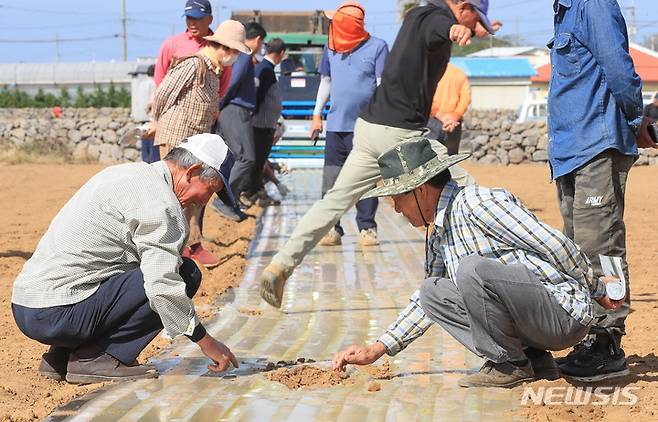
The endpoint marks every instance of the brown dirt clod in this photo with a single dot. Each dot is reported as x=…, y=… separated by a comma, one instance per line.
x=374, y=387
x=307, y=376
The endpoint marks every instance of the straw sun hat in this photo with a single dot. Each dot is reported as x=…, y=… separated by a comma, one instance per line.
x=231, y=34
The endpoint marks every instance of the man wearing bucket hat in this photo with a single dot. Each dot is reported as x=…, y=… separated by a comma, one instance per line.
x=351, y=68
x=398, y=111
x=504, y=284
x=108, y=274
x=187, y=103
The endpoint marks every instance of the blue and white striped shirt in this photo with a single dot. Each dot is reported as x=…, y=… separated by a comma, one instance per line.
x=494, y=224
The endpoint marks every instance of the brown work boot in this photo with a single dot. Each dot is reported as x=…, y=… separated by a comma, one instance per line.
x=272, y=282
x=333, y=238
x=88, y=365
x=501, y=375
x=203, y=257
x=53, y=363
x=543, y=365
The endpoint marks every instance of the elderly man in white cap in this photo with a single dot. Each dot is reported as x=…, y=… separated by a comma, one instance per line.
x=108, y=274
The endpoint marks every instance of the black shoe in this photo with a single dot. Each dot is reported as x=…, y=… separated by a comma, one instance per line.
x=595, y=362
x=543, y=364
x=578, y=349
x=227, y=211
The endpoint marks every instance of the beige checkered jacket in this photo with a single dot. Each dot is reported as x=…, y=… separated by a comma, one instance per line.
x=187, y=101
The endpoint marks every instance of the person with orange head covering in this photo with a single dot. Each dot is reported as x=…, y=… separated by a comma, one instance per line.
x=351, y=68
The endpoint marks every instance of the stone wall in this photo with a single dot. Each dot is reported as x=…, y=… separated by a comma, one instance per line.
x=495, y=138
x=85, y=134
x=92, y=135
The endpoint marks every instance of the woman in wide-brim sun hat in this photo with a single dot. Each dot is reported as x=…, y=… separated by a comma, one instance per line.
x=231, y=34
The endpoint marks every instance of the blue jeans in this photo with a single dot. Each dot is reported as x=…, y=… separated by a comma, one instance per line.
x=150, y=153
x=117, y=317
x=337, y=147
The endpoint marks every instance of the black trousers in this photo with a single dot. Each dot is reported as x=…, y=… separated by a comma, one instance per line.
x=117, y=317
x=263, y=140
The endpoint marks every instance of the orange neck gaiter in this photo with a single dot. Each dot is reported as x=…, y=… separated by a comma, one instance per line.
x=346, y=33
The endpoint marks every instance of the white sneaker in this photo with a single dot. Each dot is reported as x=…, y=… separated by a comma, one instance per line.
x=333, y=238
x=369, y=237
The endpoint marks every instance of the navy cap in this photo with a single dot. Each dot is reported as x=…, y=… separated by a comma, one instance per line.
x=482, y=7
x=197, y=9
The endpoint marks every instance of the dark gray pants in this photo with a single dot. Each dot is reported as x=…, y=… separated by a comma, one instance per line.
x=263, y=140
x=235, y=128
x=449, y=140
x=497, y=310
x=592, y=206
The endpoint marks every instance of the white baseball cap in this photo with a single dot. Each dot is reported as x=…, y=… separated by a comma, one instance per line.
x=213, y=151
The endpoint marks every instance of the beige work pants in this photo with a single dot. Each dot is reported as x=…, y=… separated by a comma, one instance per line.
x=358, y=176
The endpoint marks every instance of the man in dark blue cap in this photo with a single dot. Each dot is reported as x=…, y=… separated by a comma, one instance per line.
x=198, y=17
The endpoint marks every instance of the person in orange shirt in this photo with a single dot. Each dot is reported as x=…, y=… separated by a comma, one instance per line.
x=451, y=100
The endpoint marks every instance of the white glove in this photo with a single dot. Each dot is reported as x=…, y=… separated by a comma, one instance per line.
x=283, y=189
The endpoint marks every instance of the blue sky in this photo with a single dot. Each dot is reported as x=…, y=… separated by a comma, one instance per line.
x=150, y=21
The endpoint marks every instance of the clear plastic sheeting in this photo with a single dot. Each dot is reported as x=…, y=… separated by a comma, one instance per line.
x=339, y=296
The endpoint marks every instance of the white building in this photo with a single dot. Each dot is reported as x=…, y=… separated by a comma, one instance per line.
x=538, y=56
x=497, y=83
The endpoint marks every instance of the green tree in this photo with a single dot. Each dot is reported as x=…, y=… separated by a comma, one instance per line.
x=81, y=99
x=113, y=97
x=124, y=98
x=64, y=97
x=98, y=98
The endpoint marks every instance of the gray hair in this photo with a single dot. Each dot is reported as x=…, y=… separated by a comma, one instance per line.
x=184, y=159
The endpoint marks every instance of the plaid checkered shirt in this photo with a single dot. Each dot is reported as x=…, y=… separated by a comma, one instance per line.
x=494, y=224
x=183, y=106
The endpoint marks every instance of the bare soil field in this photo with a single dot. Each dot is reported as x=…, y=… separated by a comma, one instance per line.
x=33, y=193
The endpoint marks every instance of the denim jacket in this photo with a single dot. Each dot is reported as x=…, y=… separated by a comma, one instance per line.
x=595, y=98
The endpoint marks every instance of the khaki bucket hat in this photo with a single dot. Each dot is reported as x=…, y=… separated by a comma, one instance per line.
x=231, y=34
x=408, y=165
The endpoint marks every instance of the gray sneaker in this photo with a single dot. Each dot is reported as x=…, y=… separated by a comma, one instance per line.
x=500, y=375
x=227, y=212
